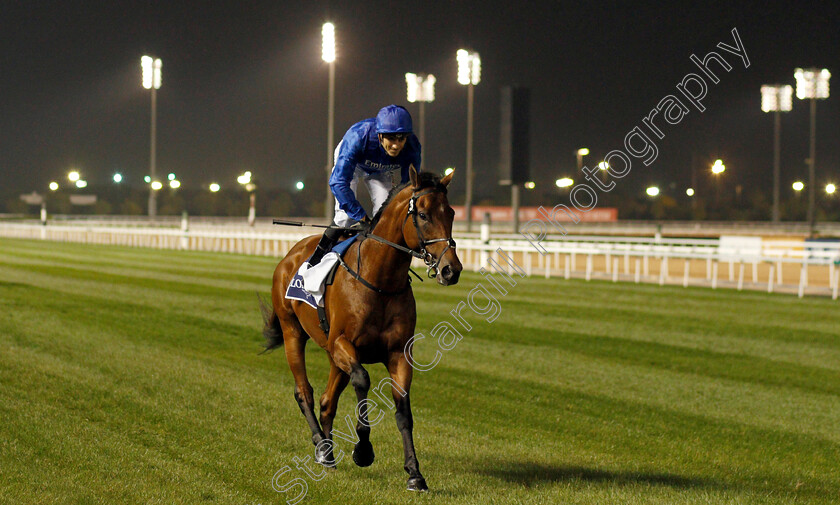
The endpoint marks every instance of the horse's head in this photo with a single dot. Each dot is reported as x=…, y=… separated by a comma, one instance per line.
x=428, y=225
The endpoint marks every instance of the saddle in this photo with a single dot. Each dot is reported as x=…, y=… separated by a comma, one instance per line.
x=309, y=284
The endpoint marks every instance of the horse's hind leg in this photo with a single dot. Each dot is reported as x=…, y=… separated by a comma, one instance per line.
x=344, y=355
x=295, y=347
x=401, y=372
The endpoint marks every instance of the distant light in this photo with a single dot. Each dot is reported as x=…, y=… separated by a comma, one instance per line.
x=718, y=167
x=156, y=185
x=448, y=171
x=776, y=97
x=215, y=187
x=811, y=83
x=81, y=183
x=530, y=185
x=299, y=185
x=565, y=182
x=53, y=186
x=689, y=192
x=830, y=189
x=798, y=186
x=652, y=191
x=73, y=176
x=151, y=72
x=244, y=178
x=420, y=88
x=469, y=67
x=118, y=178
x=328, y=42
x=603, y=165
x=174, y=184
x=171, y=177
x=148, y=179
x=583, y=151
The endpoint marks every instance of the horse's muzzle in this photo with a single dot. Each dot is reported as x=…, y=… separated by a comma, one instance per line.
x=449, y=275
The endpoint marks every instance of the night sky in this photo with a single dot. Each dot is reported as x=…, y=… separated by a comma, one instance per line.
x=244, y=87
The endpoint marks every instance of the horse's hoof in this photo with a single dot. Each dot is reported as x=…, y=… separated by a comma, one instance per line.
x=363, y=454
x=417, y=484
x=325, y=458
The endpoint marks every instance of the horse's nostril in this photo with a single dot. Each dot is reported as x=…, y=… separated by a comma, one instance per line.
x=446, y=272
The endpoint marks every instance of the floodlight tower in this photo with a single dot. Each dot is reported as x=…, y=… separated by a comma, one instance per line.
x=469, y=74
x=328, y=55
x=776, y=98
x=151, y=81
x=421, y=88
x=812, y=83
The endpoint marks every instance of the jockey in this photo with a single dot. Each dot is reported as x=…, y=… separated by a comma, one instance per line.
x=370, y=151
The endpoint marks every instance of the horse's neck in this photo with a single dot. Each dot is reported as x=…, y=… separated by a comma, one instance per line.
x=386, y=266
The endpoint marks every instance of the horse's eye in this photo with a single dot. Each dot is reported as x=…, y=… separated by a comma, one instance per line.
x=422, y=216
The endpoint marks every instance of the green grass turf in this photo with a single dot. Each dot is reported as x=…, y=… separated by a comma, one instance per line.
x=132, y=376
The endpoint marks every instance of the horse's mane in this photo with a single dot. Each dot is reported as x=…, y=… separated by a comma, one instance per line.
x=424, y=179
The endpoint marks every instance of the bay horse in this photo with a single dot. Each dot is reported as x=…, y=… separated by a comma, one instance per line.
x=371, y=313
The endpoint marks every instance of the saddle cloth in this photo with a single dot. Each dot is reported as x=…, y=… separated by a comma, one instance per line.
x=308, y=284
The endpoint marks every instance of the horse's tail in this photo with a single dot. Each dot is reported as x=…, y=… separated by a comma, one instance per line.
x=271, y=331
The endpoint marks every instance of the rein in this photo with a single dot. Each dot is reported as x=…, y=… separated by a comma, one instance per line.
x=427, y=257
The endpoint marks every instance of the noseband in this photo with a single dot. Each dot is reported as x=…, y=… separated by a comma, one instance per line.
x=430, y=261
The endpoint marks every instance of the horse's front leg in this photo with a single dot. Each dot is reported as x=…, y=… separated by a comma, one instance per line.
x=345, y=357
x=401, y=373
x=329, y=404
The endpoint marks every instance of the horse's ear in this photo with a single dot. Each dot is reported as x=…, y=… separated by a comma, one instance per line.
x=446, y=179
x=412, y=174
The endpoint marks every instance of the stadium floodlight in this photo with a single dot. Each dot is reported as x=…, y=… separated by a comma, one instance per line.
x=776, y=98
x=652, y=191
x=830, y=189
x=156, y=185
x=73, y=176
x=81, y=183
x=718, y=167
x=530, y=185
x=328, y=55
x=174, y=184
x=299, y=185
x=118, y=178
x=564, y=182
x=469, y=74
x=53, y=186
x=689, y=191
x=798, y=186
x=328, y=42
x=812, y=83
x=151, y=81
x=421, y=88
x=214, y=187
x=448, y=171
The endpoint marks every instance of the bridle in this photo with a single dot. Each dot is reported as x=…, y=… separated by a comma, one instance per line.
x=426, y=256
x=429, y=260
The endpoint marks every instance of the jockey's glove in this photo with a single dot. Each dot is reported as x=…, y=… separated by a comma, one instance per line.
x=361, y=226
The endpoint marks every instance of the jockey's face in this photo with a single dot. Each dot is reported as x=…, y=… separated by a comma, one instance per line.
x=393, y=143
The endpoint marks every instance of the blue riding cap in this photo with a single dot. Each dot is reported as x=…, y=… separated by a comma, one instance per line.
x=393, y=119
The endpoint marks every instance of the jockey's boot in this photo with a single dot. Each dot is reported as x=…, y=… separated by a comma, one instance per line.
x=328, y=240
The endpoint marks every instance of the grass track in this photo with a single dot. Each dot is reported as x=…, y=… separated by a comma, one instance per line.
x=132, y=376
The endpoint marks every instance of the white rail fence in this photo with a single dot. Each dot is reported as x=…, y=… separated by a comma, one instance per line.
x=790, y=266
